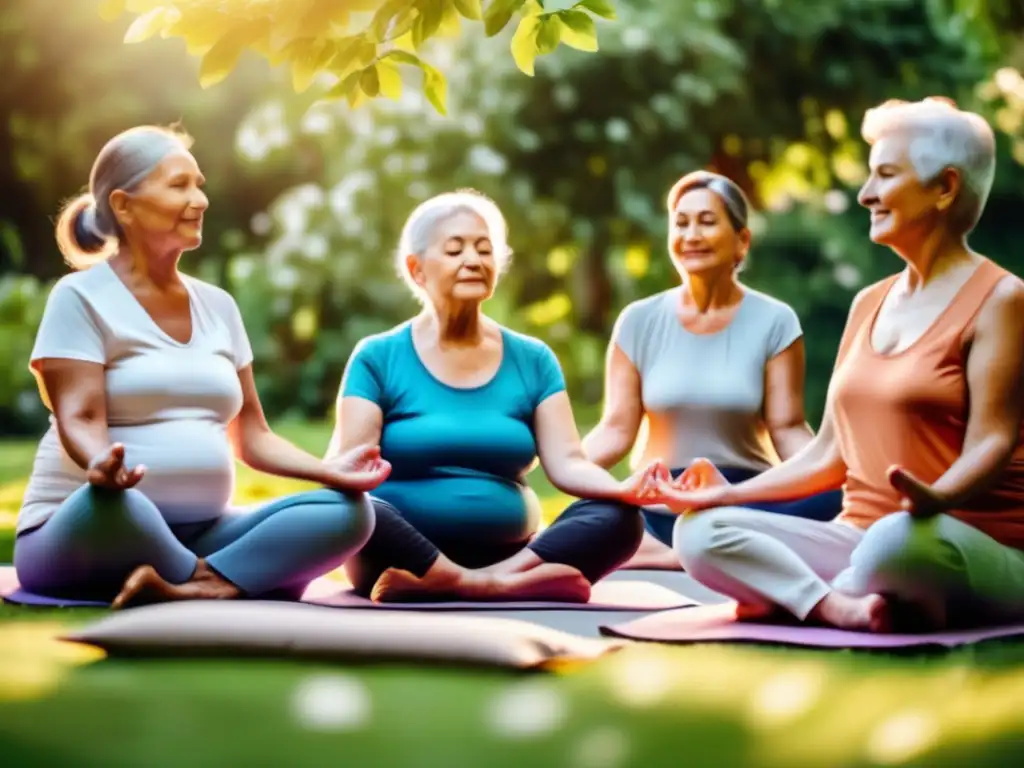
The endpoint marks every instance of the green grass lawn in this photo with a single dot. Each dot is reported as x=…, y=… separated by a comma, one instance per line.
x=647, y=706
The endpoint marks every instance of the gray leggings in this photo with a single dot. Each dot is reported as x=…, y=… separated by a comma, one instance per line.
x=97, y=537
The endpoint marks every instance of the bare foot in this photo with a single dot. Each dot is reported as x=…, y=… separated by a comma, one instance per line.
x=864, y=614
x=545, y=582
x=145, y=585
x=652, y=555
x=754, y=612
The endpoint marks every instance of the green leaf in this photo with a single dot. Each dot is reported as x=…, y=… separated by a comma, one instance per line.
x=353, y=52
x=310, y=61
x=603, y=8
x=404, y=23
x=498, y=14
x=549, y=35
x=380, y=24
x=223, y=55
x=219, y=61
x=342, y=89
x=436, y=89
x=201, y=29
x=451, y=22
x=578, y=30
x=390, y=79
x=431, y=14
x=369, y=82
x=524, y=43
x=142, y=6
x=145, y=26
x=470, y=9
x=110, y=10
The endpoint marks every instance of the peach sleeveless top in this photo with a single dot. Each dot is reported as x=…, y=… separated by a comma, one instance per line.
x=910, y=408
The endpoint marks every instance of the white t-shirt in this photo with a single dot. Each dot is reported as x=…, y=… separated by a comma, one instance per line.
x=169, y=403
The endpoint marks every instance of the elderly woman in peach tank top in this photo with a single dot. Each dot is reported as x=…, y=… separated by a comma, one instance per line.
x=923, y=423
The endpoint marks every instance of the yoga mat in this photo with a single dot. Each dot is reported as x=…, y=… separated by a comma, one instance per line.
x=718, y=624
x=252, y=628
x=607, y=595
x=612, y=594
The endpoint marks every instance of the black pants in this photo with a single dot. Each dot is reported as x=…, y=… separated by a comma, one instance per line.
x=594, y=537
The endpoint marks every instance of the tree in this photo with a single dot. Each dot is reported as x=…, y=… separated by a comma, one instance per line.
x=358, y=45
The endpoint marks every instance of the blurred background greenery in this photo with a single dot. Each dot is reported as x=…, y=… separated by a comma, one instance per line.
x=307, y=202
x=308, y=197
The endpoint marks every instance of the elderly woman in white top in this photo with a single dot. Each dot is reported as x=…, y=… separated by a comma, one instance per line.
x=148, y=374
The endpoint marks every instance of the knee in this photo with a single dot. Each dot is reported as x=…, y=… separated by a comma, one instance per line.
x=901, y=544
x=353, y=512
x=623, y=522
x=699, y=538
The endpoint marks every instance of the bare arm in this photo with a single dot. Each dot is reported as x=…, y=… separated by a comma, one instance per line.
x=358, y=422
x=77, y=393
x=256, y=444
x=561, y=453
x=996, y=386
x=784, y=401
x=613, y=437
x=815, y=468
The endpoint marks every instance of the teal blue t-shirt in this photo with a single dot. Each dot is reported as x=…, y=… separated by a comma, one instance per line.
x=459, y=456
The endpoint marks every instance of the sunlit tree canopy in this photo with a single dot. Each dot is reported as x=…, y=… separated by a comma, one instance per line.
x=361, y=46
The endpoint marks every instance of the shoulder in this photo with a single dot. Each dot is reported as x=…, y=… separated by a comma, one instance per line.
x=381, y=344
x=644, y=309
x=530, y=346
x=86, y=287
x=211, y=294
x=1003, y=311
x=872, y=294
x=766, y=306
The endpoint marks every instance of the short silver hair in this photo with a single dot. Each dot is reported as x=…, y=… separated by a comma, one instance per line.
x=87, y=230
x=421, y=228
x=942, y=136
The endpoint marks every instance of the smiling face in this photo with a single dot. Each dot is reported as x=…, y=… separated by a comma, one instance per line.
x=459, y=263
x=903, y=209
x=166, y=210
x=702, y=238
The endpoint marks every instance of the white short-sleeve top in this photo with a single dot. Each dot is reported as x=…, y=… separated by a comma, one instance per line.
x=168, y=402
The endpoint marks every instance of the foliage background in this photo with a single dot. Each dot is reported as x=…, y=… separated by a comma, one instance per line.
x=308, y=196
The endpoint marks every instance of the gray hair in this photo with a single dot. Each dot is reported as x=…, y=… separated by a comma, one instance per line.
x=421, y=228
x=737, y=206
x=87, y=230
x=942, y=136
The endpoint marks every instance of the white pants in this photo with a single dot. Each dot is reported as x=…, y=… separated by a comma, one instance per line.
x=763, y=559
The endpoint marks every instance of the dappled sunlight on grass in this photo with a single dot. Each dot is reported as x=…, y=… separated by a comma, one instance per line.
x=33, y=660
x=646, y=705
x=841, y=711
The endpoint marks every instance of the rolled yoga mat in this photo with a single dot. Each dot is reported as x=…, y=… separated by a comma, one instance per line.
x=244, y=628
x=624, y=591
x=718, y=624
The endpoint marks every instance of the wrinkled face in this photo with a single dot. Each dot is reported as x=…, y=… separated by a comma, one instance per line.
x=459, y=264
x=903, y=209
x=166, y=210
x=702, y=238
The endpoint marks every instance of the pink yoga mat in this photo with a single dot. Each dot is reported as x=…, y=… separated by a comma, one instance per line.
x=637, y=595
x=718, y=624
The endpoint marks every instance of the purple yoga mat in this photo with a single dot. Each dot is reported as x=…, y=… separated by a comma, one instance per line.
x=619, y=595
x=718, y=624
x=616, y=595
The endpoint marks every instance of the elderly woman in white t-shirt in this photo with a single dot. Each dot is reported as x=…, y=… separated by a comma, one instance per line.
x=148, y=375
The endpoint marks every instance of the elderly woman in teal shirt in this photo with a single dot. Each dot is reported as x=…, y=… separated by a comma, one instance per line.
x=462, y=409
